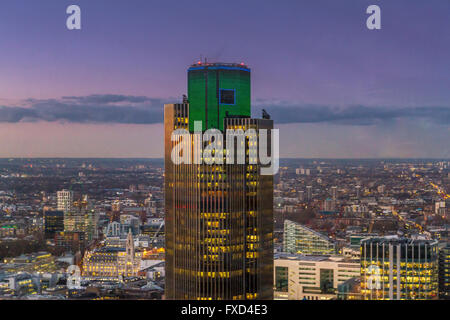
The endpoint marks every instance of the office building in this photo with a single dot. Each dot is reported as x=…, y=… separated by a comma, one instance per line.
x=219, y=219
x=308, y=193
x=53, y=223
x=334, y=193
x=444, y=273
x=112, y=263
x=301, y=239
x=114, y=229
x=301, y=277
x=32, y=263
x=394, y=268
x=82, y=220
x=329, y=206
x=72, y=241
x=350, y=289
x=64, y=200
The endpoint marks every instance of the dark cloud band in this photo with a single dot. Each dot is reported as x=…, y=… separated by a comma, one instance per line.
x=356, y=115
x=125, y=109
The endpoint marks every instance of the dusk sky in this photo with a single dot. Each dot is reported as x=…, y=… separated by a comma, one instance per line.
x=334, y=88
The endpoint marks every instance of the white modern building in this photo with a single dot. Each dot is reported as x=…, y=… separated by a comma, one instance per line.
x=301, y=277
x=64, y=200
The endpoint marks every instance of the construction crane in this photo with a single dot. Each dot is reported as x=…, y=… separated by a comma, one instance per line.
x=157, y=232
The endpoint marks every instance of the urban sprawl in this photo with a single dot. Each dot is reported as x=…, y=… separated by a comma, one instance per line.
x=343, y=229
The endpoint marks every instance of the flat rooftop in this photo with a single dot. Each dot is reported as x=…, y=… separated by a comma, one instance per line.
x=312, y=258
x=397, y=240
x=219, y=65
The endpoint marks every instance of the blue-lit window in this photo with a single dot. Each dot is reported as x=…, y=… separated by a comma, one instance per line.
x=227, y=96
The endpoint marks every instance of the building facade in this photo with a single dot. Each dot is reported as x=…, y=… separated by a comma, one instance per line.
x=302, y=277
x=444, y=273
x=112, y=263
x=82, y=220
x=219, y=219
x=64, y=200
x=72, y=241
x=53, y=223
x=301, y=239
x=394, y=268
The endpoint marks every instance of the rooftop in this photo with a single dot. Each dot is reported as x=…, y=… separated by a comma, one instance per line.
x=312, y=258
x=218, y=65
x=394, y=239
x=321, y=235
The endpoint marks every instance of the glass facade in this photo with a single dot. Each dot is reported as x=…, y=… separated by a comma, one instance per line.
x=215, y=90
x=444, y=273
x=219, y=219
x=312, y=277
x=398, y=269
x=281, y=279
x=301, y=239
x=326, y=280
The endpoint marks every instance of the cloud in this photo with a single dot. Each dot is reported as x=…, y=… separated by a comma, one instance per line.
x=16, y=114
x=110, y=98
x=88, y=109
x=353, y=115
x=125, y=109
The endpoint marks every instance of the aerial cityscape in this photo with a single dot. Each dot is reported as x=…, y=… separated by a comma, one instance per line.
x=288, y=161
x=327, y=215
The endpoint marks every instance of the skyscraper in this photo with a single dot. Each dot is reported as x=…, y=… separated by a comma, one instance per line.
x=219, y=219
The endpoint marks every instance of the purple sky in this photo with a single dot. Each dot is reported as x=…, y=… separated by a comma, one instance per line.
x=335, y=88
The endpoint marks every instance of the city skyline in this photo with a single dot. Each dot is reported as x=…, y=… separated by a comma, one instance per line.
x=214, y=152
x=334, y=88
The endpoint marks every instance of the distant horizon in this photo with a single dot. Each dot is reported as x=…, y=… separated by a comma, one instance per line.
x=161, y=158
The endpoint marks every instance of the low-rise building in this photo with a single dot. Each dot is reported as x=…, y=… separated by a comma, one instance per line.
x=310, y=277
